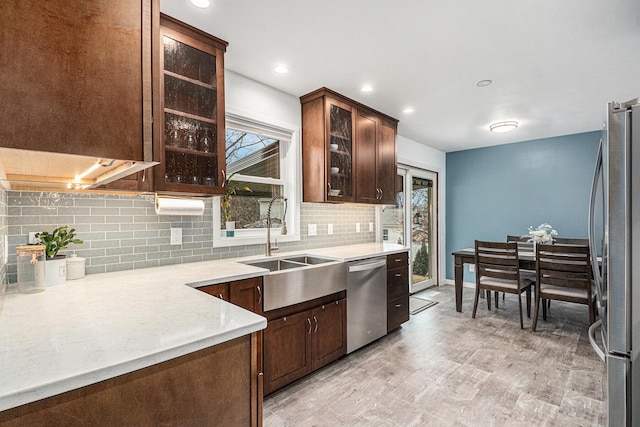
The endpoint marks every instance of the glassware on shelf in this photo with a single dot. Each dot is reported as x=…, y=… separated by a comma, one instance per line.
x=191, y=142
x=173, y=137
x=206, y=143
x=192, y=174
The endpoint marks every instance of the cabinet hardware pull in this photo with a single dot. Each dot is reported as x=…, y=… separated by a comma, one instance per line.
x=316, y=319
x=398, y=259
x=398, y=305
x=337, y=302
x=323, y=307
x=328, y=187
x=398, y=274
x=259, y=294
x=381, y=193
x=284, y=319
x=224, y=178
x=221, y=297
x=309, y=322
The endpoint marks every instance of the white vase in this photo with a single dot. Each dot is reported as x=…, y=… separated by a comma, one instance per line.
x=231, y=227
x=55, y=270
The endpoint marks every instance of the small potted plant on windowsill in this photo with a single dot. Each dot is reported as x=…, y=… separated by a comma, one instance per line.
x=230, y=190
x=56, y=264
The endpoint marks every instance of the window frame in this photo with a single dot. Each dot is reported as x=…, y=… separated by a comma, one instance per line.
x=289, y=178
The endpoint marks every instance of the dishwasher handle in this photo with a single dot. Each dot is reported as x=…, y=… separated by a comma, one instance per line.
x=368, y=266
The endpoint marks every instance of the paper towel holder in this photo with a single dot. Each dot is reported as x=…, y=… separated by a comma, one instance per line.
x=180, y=206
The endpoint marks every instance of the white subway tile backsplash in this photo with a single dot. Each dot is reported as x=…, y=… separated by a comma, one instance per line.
x=122, y=232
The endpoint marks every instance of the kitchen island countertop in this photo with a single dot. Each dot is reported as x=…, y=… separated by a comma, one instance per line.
x=110, y=324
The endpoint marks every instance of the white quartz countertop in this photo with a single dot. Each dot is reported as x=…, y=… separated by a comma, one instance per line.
x=357, y=252
x=105, y=325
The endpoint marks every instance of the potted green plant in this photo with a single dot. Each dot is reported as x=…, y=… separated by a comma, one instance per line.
x=230, y=190
x=56, y=264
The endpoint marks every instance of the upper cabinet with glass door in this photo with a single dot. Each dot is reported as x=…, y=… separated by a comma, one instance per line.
x=348, y=150
x=189, y=125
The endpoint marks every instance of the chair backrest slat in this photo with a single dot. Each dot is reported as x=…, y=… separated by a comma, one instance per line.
x=497, y=260
x=571, y=241
x=564, y=265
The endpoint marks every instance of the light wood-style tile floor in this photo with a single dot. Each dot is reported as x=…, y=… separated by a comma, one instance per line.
x=443, y=368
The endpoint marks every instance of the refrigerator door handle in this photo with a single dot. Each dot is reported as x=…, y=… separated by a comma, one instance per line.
x=592, y=226
x=592, y=339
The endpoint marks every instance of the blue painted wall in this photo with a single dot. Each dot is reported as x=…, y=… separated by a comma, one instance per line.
x=500, y=190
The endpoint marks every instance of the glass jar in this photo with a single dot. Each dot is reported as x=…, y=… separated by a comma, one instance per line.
x=31, y=276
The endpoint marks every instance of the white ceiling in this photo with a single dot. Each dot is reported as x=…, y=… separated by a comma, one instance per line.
x=554, y=63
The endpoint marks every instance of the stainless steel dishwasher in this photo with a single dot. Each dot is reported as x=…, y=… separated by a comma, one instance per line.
x=366, y=302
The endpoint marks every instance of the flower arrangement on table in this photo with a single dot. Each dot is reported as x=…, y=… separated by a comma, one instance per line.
x=544, y=233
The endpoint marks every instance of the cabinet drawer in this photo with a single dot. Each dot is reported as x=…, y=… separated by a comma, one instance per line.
x=397, y=312
x=397, y=260
x=397, y=282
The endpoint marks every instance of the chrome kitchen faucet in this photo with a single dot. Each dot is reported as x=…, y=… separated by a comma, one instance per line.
x=283, y=230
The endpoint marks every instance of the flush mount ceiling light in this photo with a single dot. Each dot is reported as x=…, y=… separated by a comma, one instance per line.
x=366, y=88
x=503, y=127
x=408, y=110
x=484, y=83
x=200, y=3
x=281, y=69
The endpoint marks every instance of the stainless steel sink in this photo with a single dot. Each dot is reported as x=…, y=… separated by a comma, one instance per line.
x=308, y=259
x=275, y=264
x=296, y=279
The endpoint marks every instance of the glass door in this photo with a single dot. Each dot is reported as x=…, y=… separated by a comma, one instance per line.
x=413, y=222
x=424, y=234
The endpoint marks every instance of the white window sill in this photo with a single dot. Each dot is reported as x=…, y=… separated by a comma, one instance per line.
x=241, y=240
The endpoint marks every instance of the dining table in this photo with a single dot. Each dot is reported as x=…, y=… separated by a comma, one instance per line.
x=468, y=256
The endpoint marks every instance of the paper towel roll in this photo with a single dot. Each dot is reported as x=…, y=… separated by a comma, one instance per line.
x=174, y=206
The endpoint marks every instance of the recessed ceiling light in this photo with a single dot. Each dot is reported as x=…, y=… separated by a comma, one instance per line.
x=200, y=3
x=503, y=127
x=366, y=88
x=281, y=69
x=408, y=110
x=483, y=83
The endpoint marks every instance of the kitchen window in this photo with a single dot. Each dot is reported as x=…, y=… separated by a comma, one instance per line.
x=261, y=161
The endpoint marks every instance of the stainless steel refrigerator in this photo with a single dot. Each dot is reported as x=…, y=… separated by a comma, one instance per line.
x=614, y=233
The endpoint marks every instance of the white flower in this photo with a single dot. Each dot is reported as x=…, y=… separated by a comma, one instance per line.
x=542, y=234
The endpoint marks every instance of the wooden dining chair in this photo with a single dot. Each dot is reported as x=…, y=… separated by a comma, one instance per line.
x=498, y=270
x=524, y=245
x=563, y=273
x=571, y=241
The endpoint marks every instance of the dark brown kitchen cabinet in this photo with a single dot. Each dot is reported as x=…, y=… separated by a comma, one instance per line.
x=349, y=150
x=302, y=338
x=329, y=326
x=189, y=129
x=216, y=386
x=247, y=294
x=220, y=290
x=397, y=290
x=287, y=350
x=375, y=159
x=76, y=77
x=386, y=161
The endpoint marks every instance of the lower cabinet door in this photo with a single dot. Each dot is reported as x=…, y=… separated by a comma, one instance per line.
x=287, y=350
x=247, y=294
x=329, y=332
x=397, y=312
x=221, y=290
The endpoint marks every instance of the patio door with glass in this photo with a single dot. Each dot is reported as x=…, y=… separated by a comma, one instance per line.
x=414, y=222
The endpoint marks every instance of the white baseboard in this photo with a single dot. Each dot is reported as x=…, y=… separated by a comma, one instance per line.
x=464, y=284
